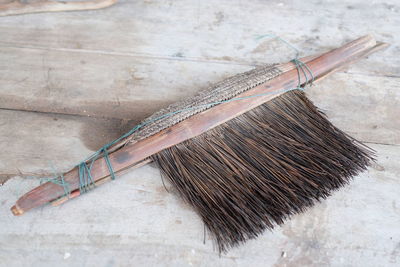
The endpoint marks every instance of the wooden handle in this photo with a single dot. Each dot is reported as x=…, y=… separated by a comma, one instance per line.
x=133, y=154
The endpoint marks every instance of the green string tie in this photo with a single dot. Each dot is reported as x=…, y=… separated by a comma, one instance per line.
x=85, y=178
x=108, y=162
x=301, y=66
x=58, y=179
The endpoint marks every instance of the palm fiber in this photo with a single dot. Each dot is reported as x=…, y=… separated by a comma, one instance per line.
x=256, y=170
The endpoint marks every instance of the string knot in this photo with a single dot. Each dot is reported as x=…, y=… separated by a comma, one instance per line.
x=58, y=180
x=301, y=66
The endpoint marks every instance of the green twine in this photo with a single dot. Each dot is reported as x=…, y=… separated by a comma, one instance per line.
x=84, y=171
x=273, y=36
x=108, y=162
x=85, y=178
x=299, y=64
x=58, y=179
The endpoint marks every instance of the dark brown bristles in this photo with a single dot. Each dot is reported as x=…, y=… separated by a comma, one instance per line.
x=253, y=172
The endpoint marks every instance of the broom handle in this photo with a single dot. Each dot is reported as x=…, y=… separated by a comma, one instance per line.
x=137, y=153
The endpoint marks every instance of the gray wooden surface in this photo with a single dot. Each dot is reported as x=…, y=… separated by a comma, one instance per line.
x=70, y=82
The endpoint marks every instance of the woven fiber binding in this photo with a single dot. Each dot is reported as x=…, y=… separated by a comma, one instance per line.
x=221, y=91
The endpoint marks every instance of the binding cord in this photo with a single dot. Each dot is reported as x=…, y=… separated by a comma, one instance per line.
x=300, y=66
x=85, y=178
x=86, y=181
x=58, y=179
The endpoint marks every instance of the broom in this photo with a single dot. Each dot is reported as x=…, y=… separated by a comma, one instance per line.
x=246, y=154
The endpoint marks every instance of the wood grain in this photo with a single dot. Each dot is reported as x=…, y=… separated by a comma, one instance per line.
x=18, y=7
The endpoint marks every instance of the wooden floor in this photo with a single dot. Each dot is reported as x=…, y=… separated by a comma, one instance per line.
x=70, y=82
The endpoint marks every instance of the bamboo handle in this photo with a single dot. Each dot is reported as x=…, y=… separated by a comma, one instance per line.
x=77, y=193
x=131, y=155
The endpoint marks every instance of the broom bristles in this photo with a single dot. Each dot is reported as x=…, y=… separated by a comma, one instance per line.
x=255, y=171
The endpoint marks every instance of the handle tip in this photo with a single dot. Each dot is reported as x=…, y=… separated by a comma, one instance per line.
x=382, y=45
x=16, y=210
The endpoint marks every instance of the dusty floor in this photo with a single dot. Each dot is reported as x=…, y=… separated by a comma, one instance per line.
x=70, y=82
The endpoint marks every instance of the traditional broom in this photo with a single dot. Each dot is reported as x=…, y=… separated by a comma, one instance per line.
x=246, y=154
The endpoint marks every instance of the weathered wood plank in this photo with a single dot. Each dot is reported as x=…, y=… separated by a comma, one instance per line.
x=36, y=143
x=209, y=30
x=10, y=7
x=366, y=107
x=99, y=85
